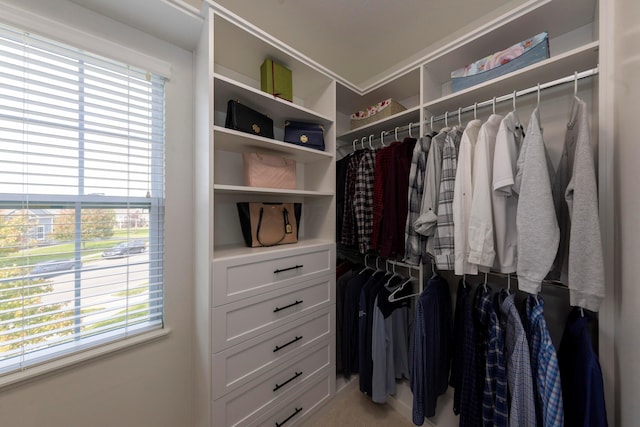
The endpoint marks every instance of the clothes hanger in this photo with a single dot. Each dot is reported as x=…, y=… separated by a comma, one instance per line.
x=508, y=284
x=494, y=105
x=355, y=141
x=382, y=137
x=432, y=124
x=574, y=101
x=400, y=288
x=410, y=124
x=366, y=267
x=370, y=138
x=475, y=111
x=484, y=285
x=459, y=119
x=395, y=274
x=514, y=100
x=364, y=138
x=446, y=119
x=434, y=270
x=396, y=133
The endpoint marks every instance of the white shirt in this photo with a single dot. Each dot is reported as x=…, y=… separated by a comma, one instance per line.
x=481, y=239
x=462, y=196
x=505, y=200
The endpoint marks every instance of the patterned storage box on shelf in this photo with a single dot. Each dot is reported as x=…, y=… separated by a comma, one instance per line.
x=500, y=63
x=376, y=112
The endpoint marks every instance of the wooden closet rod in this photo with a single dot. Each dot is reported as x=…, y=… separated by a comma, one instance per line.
x=452, y=115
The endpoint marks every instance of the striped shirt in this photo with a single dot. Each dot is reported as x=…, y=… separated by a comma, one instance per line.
x=444, y=236
x=522, y=410
x=544, y=363
x=363, y=199
x=415, y=244
x=494, y=403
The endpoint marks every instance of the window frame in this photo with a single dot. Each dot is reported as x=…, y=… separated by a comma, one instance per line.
x=99, y=346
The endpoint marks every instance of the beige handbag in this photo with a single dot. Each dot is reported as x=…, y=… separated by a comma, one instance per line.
x=269, y=224
x=263, y=170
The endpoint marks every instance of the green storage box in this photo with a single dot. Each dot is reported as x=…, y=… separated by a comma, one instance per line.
x=276, y=80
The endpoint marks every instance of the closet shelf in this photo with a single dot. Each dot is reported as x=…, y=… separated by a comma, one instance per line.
x=278, y=109
x=241, y=189
x=578, y=59
x=239, y=142
x=239, y=250
x=400, y=119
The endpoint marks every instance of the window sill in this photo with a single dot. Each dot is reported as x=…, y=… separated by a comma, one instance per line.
x=33, y=372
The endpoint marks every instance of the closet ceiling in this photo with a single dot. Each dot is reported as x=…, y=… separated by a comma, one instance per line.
x=359, y=40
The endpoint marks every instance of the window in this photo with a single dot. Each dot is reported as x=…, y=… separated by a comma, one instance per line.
x=81, y=200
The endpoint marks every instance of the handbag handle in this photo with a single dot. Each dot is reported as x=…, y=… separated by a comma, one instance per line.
x=286, y=224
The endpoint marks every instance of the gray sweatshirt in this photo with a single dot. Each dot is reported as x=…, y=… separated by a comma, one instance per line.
x=538, y=232
x=580, y=231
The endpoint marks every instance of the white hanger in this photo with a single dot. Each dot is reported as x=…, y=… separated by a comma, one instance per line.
x=382, y=138
x=446, y=119
x=514, y=100
x=396, y=133
x=370, y=138
x=494, y=105
x=538, y=105
x=410, y=124
x=475, y=111
x=355, y=141
x=392, y=296
x=573, y=102
x=459, y=120
x=485, y=282
x=366, y=267
x=431, y=123
x=364, y=138
x=395, y=274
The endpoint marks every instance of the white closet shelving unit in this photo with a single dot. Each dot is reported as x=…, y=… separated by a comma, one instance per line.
x=265, y=317
x=424, y=88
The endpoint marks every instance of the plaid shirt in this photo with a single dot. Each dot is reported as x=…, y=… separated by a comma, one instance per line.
x=444, y=236
x=494, y=404
x=349, y=227
x=522, y=409
x=383, y=160
x=363, y=199
x=544, y=364
x=415, y=244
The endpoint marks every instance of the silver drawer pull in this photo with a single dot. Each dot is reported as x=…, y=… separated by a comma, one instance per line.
x=287, y=269
x=297, y=338
x=277, y=309
x=279, y=386
x=288, y=418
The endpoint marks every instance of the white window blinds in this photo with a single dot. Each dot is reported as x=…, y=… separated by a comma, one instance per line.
x=81, y=200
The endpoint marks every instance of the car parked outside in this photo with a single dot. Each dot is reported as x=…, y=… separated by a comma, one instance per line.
x=46, y=269
x=125, y=249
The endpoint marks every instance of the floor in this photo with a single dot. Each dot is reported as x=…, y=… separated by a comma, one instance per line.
x=351, y=408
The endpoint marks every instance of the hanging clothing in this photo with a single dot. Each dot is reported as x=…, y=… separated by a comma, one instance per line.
x=494, y=404
x=363, y=199
x=481, y=236
x=522, y=409
x=444, y=235
x=341, y=180
x=351, y=323
x=537, y=227
x=426, y=222
x=575, y=194
x=462, y=195
x=431, y=355
x=381, y=174
x=349, y=227
x=460, y=328
x=581, y=375
x=390, y=344
x=544, y=364
x=415, y=244
x=505, y=200
x=365, y=324
x=342, y=280
x=396, y=193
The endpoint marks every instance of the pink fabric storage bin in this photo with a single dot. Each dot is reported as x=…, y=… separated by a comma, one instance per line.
x=263, y=170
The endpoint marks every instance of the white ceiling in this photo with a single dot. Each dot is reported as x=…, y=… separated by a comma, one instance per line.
x=359, y=40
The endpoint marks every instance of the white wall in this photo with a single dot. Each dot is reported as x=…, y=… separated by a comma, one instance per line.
x=627, y=160
x=152, y=384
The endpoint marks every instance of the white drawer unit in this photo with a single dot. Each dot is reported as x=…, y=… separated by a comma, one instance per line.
x=240, y=320
x=303, y=403
x=256, y=397
x=235, y=278
x=240, y=364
